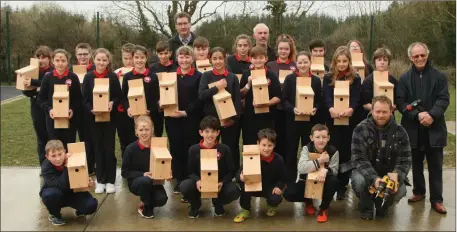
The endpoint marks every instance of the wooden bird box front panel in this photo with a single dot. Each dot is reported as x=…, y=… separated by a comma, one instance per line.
x=137, y=99
x=100, y=95
x=160, y=163
x=78, y=173
x=341, y=101
x=80, y=71
x=283, y=74
x=317, y=66
x=61, y=101
x=124, y=70
x=357, y=62
x=27, y=74
x=252, y=171
x=382, y=86
x=168, y=89
x=203, y=65
x=313, y=188
x=260, y=93
x=304, y=98
x=224, y=105
x=209, y=173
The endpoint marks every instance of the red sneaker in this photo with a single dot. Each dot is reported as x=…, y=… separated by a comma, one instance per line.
x=310, y=210
x=322, y=216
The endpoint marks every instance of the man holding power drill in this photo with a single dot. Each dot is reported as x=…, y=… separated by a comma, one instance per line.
x=425, y=125
x=379, y=146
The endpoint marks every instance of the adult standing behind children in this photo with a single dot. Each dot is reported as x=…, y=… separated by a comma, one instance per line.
x=261, y=36
x=184, y=36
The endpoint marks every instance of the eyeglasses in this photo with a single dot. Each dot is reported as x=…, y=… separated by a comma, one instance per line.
x=420, y=55
x=182, y=24
x=82, y=54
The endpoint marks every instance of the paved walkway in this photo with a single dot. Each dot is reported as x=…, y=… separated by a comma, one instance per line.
x=450, y=127
x=21, y=209
x=9, y=92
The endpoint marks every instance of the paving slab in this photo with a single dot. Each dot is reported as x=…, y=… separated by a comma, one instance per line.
x=7, y=92
x=450, y=125
x=118, y=211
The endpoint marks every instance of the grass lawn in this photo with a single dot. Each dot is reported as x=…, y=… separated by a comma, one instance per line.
x=18, y=142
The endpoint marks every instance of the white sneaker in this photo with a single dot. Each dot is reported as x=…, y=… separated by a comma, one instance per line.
x=100, y=188
x=110, y=188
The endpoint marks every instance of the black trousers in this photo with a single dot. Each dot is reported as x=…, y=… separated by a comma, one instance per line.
x=296, y=192
x=280, y=129
x=151, y=195
x=39, y=124
x=434, y=156
x=341, y=138
x=54, y=200
x=66, y=136
x=229, y=192
x=125, y=130
x=88, y=141
x=229, y=138
x=272, y=199
x=296, y=131
x=157, y=119
x=182, y=134
x=103, y=138
x=252, y=123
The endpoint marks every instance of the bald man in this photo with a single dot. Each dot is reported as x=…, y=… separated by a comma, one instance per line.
x=261, y=36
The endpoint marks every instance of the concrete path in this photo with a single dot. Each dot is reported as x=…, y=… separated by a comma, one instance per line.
x=21, y=209
x=450, y=127
x=8, y=92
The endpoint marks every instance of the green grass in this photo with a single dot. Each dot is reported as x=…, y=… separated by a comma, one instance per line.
x=5, y=83
x=450, y=112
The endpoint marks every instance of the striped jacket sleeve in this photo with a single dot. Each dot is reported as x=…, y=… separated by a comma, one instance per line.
x=404, y=159
x=359, y=157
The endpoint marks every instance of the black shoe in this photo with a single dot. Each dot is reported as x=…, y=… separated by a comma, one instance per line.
x=57, y=221
x=146, y=213
x=193, y=213
x=79, y=214
x=368, y=215
x=176, y=189
x=341, y=194
x=219, y=210
x=184, y=200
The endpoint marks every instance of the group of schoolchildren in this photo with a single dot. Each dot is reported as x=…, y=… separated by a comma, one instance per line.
x=195, y=125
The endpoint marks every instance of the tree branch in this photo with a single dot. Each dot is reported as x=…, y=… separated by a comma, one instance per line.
x=161, y=26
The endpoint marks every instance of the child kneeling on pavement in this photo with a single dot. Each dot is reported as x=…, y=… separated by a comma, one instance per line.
x=56, y=192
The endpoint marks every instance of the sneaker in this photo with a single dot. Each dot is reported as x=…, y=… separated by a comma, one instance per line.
x=193, y=213
x=271, y=211
x=322, y=216
x=99, y=188
x=79, y=214
x=368, y=215
x=176, y=189
x=56, y=221
x=141, y=205
x=310, y=210
x=146, y=213
x=184, y=200
x=219, y=210
x=243, y=215
x=110, y=188
x=341, y=194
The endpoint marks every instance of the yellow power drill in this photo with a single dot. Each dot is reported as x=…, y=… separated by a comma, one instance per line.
x=384, y=190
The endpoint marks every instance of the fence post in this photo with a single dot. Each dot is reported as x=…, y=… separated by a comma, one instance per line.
x=8, y=48
x=98, y=29
x=370, y=50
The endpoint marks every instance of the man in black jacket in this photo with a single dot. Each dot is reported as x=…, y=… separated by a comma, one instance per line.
x=425, y=125
x=379, y=146
x=184, y=36
x=261, y=36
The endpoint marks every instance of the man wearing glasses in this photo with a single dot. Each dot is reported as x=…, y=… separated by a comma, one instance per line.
x=184, y=36
x=425, y=125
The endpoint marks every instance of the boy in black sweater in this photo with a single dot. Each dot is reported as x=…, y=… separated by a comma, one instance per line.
x=56, y=192
x=273, y=177
x=190, y=188
x=61, y=75
x=135, y=168
x=317, y=49
x=165, y=64
x=43, y=53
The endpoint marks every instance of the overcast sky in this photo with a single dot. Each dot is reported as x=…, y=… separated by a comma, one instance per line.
x=332, y=8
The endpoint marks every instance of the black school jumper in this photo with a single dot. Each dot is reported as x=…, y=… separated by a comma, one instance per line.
x=341, y=136
x=228, y=134
x=322, y=114
x=226, y=171
x=253, y=122
x=297, y=130
x=151, y=92
x=158, y=67
x=56, y=192
x=38, y=114
x=183, y=132
x=280, y=118
x=45, y=100
x=124, y=124
x=103, y=134
x=273, y=176
x=134, y=165
x=84, y=129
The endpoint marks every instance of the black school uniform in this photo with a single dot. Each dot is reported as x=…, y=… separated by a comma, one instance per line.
x=38, y=114
x=280, y=118
x=297, y=130
x=134, y=165
x=152, y=94
x=103, y=134
x=56, y=192
x=341, y=136
x=253, y=122
x=158, y=67
x=226, y=171
x=368, y=92
x=228, y=134
x=273, y=176
x=236, y=65
x=322, y=114
x=45, y=100
x=124, y=124
x=183, y=132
